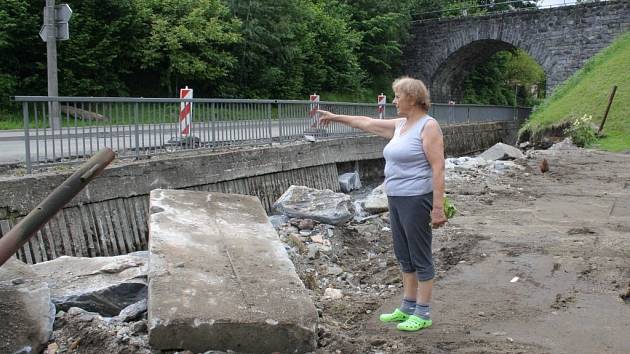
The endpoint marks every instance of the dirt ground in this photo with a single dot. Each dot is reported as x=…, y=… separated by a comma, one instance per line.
x=532, y=263
x=565, y=234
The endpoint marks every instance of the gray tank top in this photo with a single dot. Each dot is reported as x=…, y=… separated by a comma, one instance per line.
x=407, y=171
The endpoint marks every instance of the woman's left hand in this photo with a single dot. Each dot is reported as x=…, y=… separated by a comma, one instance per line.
x=438, y=218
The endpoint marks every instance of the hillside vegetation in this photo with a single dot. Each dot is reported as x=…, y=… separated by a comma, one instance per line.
x=587, y=92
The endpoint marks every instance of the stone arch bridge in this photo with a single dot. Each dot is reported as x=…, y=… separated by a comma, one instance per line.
x=443, y=52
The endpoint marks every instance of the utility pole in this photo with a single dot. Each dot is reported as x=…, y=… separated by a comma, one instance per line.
x=51, y=63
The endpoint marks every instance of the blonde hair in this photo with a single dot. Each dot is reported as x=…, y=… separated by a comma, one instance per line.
x=415, y=89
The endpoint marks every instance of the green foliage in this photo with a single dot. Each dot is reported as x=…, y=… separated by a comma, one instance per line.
x=449, y=208
x=102, y=50
x=384, y=29
x=587, y=92
x=341, y=49
x=21, y=65
x=504, y=78
x=293, y=48
x=189, y=41
x=581, y=131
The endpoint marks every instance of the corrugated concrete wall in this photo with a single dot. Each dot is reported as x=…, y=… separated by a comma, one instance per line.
x=109, y=216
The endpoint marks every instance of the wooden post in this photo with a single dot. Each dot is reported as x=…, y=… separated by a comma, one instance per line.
x=610, y=99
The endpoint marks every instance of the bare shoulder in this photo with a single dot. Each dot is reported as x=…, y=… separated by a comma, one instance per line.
x=432, y=128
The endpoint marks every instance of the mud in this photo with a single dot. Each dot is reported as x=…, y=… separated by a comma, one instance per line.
x=564, y=235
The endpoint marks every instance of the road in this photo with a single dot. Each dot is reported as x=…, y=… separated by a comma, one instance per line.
x=151, y=138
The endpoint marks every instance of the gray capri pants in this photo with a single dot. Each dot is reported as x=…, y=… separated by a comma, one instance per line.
x=410, y=218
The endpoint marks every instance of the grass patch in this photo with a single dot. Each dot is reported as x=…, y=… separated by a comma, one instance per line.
x=587, y=92
x=10, y=121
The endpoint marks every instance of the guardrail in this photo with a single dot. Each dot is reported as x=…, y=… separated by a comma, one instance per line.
x=144, y=127
x=485, y=9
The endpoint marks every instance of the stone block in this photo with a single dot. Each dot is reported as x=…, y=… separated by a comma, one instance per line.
x=26, y=311
x=220, y=279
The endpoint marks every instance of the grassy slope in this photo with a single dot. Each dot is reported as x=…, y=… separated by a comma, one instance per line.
x=587, y=91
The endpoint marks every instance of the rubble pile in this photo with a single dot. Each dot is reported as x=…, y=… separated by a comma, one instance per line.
x=339, y=243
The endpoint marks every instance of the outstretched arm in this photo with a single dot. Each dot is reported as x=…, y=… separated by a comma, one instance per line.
x=380, y=127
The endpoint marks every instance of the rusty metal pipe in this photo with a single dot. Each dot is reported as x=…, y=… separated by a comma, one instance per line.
x=55, y=201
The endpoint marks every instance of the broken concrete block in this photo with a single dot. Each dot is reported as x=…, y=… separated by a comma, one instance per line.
x=26, y=311
x=324, y=206
x=349, y=181
x=220, y=278
x=104, y=285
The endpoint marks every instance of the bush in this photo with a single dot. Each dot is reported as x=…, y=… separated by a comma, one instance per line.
x=581, y=131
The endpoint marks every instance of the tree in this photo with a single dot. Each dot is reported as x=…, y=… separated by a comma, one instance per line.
x=22, y=65
x=189, y=41
x=101, y=55
x=292, y=48
x=384, y=27
x=495, y=81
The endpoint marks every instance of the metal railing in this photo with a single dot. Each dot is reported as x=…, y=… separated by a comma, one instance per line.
x=143, y=127
x=485, y=9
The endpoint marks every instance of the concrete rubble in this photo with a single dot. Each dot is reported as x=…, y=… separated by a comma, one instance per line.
x=349, y=181
x=220, y=279
x=104, y=285
x=349, y=272
x=502, y=151
x=324, y=206
x=26, y=310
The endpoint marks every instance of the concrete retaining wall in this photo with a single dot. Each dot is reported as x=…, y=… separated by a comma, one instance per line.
x=109, y=217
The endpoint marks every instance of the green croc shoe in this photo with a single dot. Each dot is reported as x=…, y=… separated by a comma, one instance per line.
x=396, y=316
x=414, y=323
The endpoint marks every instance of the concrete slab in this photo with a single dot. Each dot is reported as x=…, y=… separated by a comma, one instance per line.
x=220, y=279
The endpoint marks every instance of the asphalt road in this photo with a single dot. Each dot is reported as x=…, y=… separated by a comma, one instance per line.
x=46, y=146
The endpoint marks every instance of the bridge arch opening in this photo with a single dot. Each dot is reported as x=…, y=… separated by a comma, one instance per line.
x=489, y=72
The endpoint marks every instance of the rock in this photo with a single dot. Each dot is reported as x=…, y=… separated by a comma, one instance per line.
x=324, y=206
x=53, y=348
x=466, y=163
x=26, y=310
x=313, y=251
x=333, y=294
x=502, y=151
x=334, y=270
x=566, y=144
x=376, y=202
x=295, y=241
x=89, y=332
x=317, y=239
x=104, y=285
x=349, y=181
x=133, y=312
x=278, y=220
x=306, y=224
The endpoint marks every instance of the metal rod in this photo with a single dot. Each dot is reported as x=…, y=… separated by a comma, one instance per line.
x=610, y=100
x=55, y=201
x=27, y=136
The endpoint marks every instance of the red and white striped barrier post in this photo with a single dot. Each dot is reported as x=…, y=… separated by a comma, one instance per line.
x=381, y=101
x=185, y=111
x=313, y=107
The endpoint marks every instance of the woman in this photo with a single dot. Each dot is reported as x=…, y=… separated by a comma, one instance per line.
x=414, y=183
